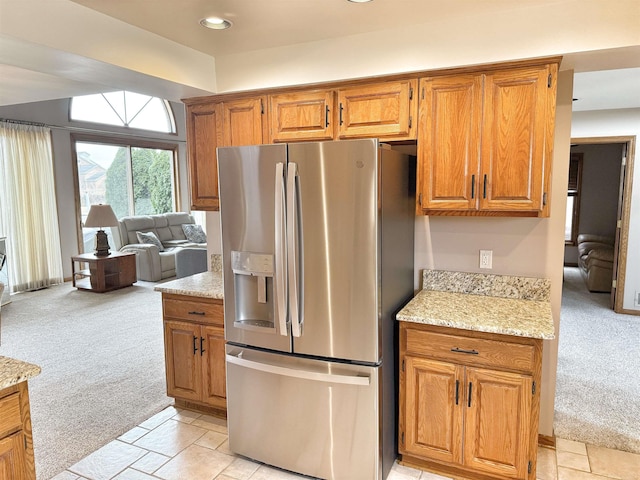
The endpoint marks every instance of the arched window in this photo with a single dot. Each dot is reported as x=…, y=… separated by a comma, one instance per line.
x=124, y=109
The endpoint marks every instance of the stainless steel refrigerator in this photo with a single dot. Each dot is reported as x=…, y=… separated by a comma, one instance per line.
x=317, y=242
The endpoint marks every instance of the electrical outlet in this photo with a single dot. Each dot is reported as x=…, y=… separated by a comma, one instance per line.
x=486, y=258
x=636, y=299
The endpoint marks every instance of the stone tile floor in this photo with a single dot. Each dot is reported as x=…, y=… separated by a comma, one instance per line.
x=179, y=444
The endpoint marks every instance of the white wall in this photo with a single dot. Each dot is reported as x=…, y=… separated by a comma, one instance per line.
x=73, y=42
x=544, y=29
x=56, y=113
x=612, y=123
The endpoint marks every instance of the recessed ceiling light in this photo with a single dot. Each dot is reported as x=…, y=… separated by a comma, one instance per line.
x=215, y=23
x=360, y=1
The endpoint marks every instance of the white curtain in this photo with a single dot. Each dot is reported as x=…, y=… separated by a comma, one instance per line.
x=28, y=210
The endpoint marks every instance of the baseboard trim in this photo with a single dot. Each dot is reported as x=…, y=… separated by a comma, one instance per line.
x=198, y=407
x=547, y=441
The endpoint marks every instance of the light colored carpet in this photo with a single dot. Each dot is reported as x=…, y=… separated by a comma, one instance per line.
x=102, y=359
x=598, y=389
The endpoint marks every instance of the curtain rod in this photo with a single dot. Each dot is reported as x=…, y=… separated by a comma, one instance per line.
x=22, y=122
x=90, y=130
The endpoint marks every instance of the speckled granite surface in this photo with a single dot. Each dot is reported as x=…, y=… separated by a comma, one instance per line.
x=485, y=303
x=205, y=284
x=216, y=262
x=14, y=371
x=506, y=286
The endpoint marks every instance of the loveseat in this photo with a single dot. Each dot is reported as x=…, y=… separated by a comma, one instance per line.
x=156, y=239
x=595, y=259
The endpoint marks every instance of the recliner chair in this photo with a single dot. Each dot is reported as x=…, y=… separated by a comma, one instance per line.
x=595, y=259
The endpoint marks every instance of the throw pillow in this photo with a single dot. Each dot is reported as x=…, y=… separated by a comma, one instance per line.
x=150, y=238
x=194, y=233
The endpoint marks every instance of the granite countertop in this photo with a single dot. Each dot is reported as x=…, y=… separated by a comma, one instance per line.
x=501, y=304
x=205, y=284
x=14, y=371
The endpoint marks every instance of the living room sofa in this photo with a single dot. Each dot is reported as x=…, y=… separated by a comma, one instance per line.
x=595, y=259
x=156, y=262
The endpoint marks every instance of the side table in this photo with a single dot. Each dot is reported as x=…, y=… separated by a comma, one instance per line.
x=117, y=270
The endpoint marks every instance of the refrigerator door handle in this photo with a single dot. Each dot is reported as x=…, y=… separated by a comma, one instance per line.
x=281, y=253
x=295, y=373
x=292, y=253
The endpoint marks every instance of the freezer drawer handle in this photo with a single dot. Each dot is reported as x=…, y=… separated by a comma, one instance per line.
x=303, y=374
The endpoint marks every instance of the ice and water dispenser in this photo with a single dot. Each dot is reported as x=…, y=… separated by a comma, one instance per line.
x=253, y=284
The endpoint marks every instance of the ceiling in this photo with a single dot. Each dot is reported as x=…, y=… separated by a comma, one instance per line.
x=606, y=89
x=260, y=24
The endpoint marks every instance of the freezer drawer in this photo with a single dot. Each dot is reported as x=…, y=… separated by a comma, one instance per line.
x=309, y=416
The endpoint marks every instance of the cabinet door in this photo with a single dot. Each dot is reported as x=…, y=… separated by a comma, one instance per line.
x=183, y=360
x=385, y=110
x=243, y=122
x=432, y=409
x=301, y=116
x=497, y=422
x=204, y=135
x=513, y=139
x=213, y=367
x=449, y=142
x=12, y=457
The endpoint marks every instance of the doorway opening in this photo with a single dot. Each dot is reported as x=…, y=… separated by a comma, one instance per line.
x=593, y=401
x=598, y=213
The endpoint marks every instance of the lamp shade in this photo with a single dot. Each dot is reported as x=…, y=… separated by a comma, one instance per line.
x=101, y=216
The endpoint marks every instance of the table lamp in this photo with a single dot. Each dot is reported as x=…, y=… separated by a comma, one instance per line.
x=101, y=216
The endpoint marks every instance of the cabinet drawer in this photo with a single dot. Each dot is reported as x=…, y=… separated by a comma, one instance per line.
x=473, y=351
x=195, y=311
x=10, y=419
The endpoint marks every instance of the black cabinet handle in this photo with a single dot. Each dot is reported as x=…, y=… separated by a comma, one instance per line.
x=195, y=347
x=473, y=186
x=202, y=350
x=468, y=352
x=484, y=188
x=457, y=390
x=470, y=387
x=196, y=313
x=326, y=117
x=341, y=114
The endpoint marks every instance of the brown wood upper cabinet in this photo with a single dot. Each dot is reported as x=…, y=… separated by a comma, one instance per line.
x=213, y=124
x=386, y=110
x=485, y=142
x=301, y=116
x=244, y=122
x=204, y=135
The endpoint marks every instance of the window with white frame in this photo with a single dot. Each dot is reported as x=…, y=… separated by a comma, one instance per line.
x=133, y=178
x=124, y=109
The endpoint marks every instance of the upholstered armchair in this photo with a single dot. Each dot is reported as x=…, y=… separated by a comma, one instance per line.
x=595, y=259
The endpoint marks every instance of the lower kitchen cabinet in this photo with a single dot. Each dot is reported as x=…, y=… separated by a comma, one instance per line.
x=468, y=402
x=16, y=441
x=194, y=352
